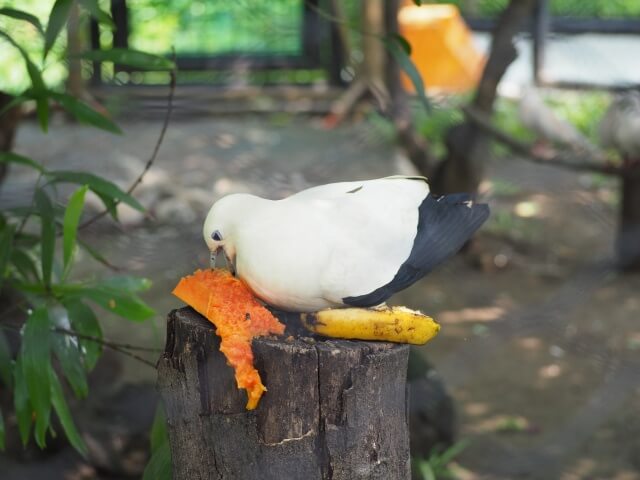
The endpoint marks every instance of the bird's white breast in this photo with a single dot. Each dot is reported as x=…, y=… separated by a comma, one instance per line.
x=309, y=251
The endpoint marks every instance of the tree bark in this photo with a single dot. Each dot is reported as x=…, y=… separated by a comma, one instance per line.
x=467, y=145
x=75, y=84
x=413, y=144
x=370, y=73
x=373, y=50
x=334, y=409
x=8, y=126
x=628, y=243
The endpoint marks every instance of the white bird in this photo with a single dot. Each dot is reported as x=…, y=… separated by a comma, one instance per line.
x=620, y=126
x=536, y=115
x=341, y=244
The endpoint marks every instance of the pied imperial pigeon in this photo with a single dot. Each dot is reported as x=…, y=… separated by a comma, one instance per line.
x=349, y=244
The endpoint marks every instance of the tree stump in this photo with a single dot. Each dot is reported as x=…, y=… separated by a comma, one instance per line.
x=334, y=409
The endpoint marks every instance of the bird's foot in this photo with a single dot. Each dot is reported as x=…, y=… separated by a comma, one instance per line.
x=383, y=306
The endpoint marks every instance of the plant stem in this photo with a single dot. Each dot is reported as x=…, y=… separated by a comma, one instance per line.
x=154, y=154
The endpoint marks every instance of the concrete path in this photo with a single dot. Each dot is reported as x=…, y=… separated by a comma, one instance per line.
x=609, y=60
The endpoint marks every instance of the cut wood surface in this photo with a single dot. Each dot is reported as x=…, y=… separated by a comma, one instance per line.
x=334, y=409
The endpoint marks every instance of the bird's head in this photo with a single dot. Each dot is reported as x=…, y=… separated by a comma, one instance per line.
x=219, y=229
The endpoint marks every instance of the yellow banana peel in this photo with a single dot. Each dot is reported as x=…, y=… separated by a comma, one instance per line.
x=389, y=324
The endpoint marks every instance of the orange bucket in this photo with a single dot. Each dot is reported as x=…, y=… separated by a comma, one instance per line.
x=442, y=48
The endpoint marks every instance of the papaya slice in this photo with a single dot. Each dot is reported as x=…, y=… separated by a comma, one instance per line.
x=238, y=317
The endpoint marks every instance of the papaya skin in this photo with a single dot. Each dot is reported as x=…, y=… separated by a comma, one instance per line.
x=238, y=317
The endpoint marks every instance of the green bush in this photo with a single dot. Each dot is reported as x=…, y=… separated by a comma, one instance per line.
x=62, y=339
x=567, y=8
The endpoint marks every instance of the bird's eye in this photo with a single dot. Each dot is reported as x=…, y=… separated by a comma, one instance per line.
x=217, y=236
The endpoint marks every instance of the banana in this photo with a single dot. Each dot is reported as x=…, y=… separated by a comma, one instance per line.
x=390, y=324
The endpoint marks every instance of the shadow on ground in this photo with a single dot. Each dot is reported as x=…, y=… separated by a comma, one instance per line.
x=540, y=340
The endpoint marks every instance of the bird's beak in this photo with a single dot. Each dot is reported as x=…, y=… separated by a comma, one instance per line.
x=230, y=263
x=214, y=255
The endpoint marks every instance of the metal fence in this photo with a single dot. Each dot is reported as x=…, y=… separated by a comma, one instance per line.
x=259, y=42
x=562, y=17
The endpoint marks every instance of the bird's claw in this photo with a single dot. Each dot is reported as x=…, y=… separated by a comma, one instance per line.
x=383, y=306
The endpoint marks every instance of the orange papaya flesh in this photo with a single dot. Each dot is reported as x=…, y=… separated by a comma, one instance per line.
x=238, y=317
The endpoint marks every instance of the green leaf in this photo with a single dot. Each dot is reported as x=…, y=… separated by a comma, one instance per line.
x=20, y=15
x=97, y=184
x=403, y=42
x=453, y=451
x=159, y=466
x=33, y=71
x=36, y=361
x=406, y=64
x=93, y=7
x=68, y=354
x=84, y=113
x=48, y=233
x=10, y=157
x=2, y=444
x=16, y=101
x=42, y=111
x=24, y=411
x=6, y=363
x=115, y=299
x=126, y=283
x=159, y=433
x=38, y=93
x=27, y=240
x=84, y=321
x=110, y=205
x=417, y=2
x=64, y=415
x=71, y=220
x=36, y=289
x=24, y=265
x=57, y=20
x=127, y=306
x=96, y=255
x=426, y=471
x=6, y=246
x=131, y=58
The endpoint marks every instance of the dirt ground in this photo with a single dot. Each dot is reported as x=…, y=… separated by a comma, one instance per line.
x=540, y=343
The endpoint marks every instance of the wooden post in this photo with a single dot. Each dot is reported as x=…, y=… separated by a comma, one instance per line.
x=334, y=410
x=540, y=33
x=467, y=145
x=628, y=241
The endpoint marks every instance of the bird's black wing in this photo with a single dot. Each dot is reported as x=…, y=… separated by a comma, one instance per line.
x=445, y=224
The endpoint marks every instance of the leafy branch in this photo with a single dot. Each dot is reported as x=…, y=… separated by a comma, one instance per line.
x=583, y=161
x=396, y=45
x=154, y=154
x=123, y=348
x=39, y=244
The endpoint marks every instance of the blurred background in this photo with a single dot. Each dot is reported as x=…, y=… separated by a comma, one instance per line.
x=533, y=105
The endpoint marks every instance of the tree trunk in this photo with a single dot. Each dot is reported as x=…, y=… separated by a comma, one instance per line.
x=413, y=144
x=373, y=50
x=75, y=84
x=628, y=244
x=334, y=409
x=370, y=73
x=467, y=145
x=8, y=126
